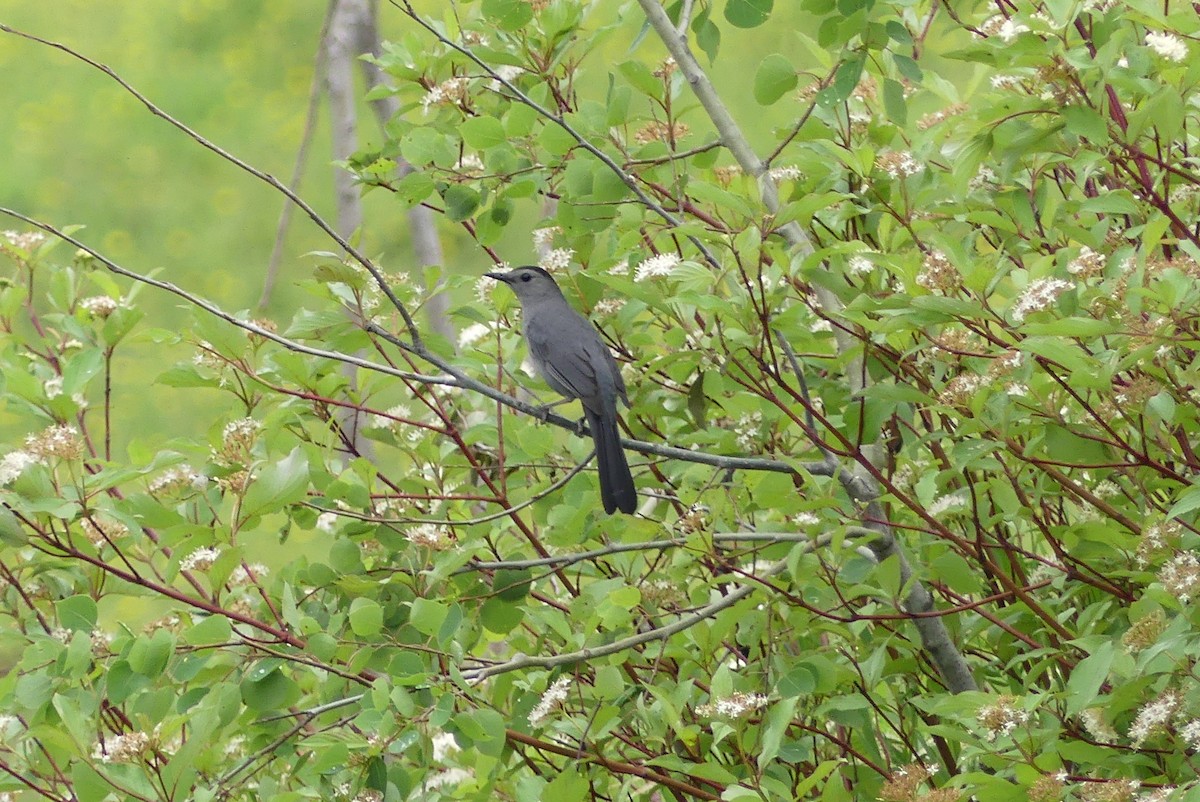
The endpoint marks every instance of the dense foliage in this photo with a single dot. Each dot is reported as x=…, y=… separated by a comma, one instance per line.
x=913, y=414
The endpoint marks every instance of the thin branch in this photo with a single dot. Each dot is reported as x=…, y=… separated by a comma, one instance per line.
x=216, y=311
x=659, y=633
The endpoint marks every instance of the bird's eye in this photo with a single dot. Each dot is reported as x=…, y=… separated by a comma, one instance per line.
x=525, y=277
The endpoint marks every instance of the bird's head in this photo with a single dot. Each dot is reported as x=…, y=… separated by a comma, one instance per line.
x=530, y=283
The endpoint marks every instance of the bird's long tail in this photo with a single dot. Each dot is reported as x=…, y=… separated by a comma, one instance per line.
x=617, y=490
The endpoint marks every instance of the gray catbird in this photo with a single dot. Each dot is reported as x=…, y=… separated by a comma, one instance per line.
x=567, y=352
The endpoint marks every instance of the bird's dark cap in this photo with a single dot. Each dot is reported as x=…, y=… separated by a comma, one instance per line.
x=512, y=275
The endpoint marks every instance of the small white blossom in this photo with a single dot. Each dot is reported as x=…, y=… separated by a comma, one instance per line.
x=448, y=91
x=327, y=522
x=748, y=430
x=444, y=745
x=734, y=706
x=557, y=259
x=178, y=479
x=1006, y=81
x=53, y=387
x=1181, y=576
x=1002, y=717
x=200, y=559
x=661, y=265
x=1011, y=30
x=99, y=306
x=805, y=519
x=898, y=164
x=543, y=238
x=1095, y=725
x=25, y=240
x=473, y=334
x=555, y=695
x=431, y=536
x=788, y=172
x=470, y=164
x=505, y=72
x=448, y=777
x=1153, y=717
x=950, y=501
x=1190, y=733
x=1167, y=45
x=241, y=576
x=860, y=266
x=14, y=464
x=1040, y=294
x=983, y=177
x=125, y=748
x=606, y=307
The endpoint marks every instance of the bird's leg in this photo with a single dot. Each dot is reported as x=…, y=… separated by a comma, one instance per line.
x=542, y=411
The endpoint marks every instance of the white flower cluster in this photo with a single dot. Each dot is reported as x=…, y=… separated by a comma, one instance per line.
x=14, y=464
x=1002, y=717
x=557, y=259
x=200, y=559
x=1181, y=576
x=473, y=334
x=1167, y=45
x=125, y=748
x=543, y=238
x=430, y=536
x=99, y=306
x=661, y=265
x=554, y=696
x=448, y=91
x=1040, y=294
x=736, y=705
x=25, y=240
x=178, y=479
x=1153, y=717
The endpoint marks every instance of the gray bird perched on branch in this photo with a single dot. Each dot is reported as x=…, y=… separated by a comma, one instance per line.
x=567, y=352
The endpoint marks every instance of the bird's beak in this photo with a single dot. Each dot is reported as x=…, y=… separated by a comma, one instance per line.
x=498, y=276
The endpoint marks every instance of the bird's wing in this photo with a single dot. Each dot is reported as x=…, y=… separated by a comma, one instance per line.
x=574, y=366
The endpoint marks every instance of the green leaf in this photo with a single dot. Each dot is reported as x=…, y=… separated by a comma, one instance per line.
x=1087, y=677
x=775, y=77
x=427, y=615
x=87, y=783
x=512, y=585
x=508, y=15
x=845, y=79
x=747, y=13
x=777, y=721
x=1072, y=327
x=482, y=133
x=77, y=613
x=366, y=617
x=1087, y=123
x=277, y=486
x=426, y=145
x=12, y=531
x=214, y=629
x=641, y=78
x=149, y=654
x=461, y=202
x=500, y=616
x=1188, y=501
x=893, y=101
